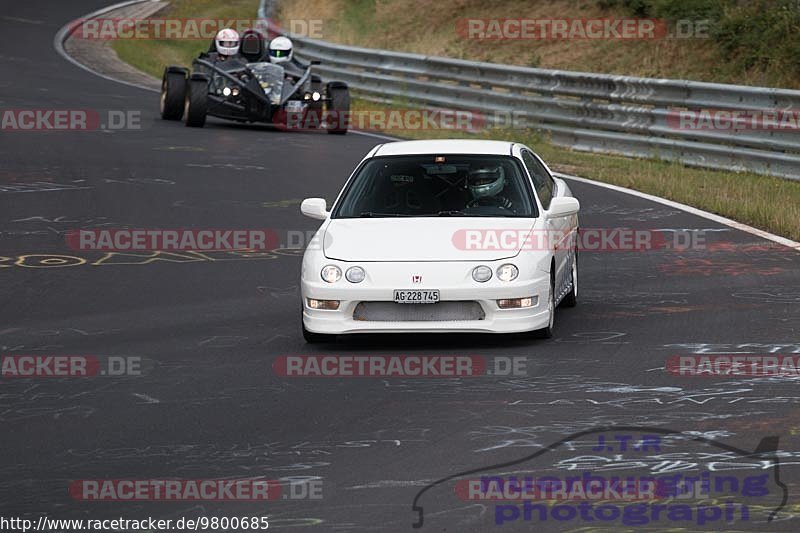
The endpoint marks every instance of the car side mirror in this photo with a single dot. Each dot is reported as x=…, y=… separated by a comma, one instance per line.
x=314, y=208
x=563, y=207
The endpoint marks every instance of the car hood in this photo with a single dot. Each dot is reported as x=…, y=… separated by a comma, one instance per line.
x=423, y=238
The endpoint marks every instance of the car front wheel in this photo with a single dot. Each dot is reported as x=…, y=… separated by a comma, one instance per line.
x=196, y=104
x=339, y=107
x=173, y=94
x=571, y=299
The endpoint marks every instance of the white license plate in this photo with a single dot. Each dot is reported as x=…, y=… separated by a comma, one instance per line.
x=416, y=296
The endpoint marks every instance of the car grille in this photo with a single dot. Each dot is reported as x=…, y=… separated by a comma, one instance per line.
x=438, y=312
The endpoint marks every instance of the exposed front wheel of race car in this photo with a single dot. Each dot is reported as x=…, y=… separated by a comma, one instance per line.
x=173, y=93
x=196, y=103
x=339, y=107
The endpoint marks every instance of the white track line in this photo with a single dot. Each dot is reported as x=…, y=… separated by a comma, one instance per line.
x=692, y=210
x=63, y=35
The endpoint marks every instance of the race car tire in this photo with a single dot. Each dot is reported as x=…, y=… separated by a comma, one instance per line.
x=173, y=93
x=571, y=299
x=339, y=106
x=316, y=83
x=196, y=104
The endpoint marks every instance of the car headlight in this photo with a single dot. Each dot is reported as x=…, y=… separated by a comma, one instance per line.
x=331, y=274
x=507, y=272
x=315, y=96
x=481, y=274
x=355, y=274
x=226, y=91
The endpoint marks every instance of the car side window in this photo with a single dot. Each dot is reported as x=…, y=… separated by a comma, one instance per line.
x=542, y=180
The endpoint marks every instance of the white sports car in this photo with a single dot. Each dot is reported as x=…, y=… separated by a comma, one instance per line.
x=442, y=236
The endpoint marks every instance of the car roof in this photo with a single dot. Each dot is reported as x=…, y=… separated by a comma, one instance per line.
x=445, y=146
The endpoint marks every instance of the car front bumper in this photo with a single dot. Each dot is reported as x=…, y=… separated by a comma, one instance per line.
x=384, y=278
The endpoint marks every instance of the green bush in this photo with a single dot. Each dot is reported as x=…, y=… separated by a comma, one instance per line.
x=761, y=34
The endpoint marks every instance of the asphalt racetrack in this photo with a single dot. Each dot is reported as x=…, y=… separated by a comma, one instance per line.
x=206, y=331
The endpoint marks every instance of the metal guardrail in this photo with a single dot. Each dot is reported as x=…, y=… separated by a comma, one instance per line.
x=584, y=111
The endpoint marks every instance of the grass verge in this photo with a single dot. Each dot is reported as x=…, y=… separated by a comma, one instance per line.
x=151, y=56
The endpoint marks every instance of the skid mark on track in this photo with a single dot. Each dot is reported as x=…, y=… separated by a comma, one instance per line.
x=39, y=186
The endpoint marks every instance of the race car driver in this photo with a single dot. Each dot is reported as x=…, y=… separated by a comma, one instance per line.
x=281, y=50
x=486, y=186
x=226, y=44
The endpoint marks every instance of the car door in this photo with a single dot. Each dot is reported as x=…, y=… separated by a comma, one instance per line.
x=558, y=229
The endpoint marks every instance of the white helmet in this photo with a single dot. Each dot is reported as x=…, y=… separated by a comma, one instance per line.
x=280, y=49
x=227, y=41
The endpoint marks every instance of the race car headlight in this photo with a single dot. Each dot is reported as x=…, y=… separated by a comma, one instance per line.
x=481, y=274
x=507, y=272
x=227, y=91
x=355, y=274
x=331, y=274
x=235, y=91
x=315, y=96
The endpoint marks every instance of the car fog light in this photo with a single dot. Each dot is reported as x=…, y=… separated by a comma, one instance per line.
x=516, y=303
x=331, y=274
x=481, y=274
x=331, y=305
x=355, y=274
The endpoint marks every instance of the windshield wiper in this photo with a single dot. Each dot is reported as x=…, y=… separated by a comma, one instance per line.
x=451, y=213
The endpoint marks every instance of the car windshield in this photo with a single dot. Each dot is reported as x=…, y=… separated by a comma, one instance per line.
x=438, y=185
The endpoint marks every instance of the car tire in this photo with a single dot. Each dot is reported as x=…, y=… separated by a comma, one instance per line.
x=339, y=106
x=196, y=104
x=173, y=94
x=571, y=299
x=315, y=338
x=547, y=332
